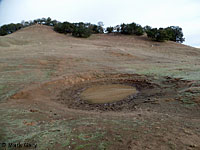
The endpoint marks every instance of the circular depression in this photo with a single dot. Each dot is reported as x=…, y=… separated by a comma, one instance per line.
x=119, y=92
x=109, y=93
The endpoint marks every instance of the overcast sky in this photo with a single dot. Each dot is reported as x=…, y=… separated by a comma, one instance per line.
x=156, y=13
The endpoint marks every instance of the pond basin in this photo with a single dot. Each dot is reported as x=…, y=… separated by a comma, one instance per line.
x=107, y=93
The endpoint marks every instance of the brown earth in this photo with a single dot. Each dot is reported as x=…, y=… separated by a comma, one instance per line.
x=108, y=93
x=48, y=80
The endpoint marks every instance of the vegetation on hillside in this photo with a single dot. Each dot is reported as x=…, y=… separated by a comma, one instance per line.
x=81, y=30
x=172, y=33
x=10, y=28
x=84, y=30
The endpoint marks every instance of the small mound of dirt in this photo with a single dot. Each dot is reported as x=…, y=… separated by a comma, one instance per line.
x=107, y=93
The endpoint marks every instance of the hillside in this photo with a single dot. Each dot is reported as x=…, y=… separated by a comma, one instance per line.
x=43, y=73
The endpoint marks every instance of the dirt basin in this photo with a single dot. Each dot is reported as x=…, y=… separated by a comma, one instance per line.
x=107, y=93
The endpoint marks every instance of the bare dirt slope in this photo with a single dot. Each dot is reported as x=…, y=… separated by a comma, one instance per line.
x=43, y=75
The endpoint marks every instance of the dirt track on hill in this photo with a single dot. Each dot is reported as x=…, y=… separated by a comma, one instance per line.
x=44, y=74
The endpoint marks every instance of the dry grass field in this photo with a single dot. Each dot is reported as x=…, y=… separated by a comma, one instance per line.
x=46, y=79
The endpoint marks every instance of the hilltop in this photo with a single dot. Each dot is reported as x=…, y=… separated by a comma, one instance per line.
x=44, y=73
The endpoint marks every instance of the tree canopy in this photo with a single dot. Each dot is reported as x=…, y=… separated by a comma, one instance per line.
x=172, y=33
x=81, y=30
x=109, y=29
x=132, y=29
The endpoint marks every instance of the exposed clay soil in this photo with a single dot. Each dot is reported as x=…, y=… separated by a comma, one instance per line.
x=108, y=93
x=73, y=98
x=49, y=83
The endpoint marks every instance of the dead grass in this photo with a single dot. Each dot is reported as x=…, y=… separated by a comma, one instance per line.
x=40, y=60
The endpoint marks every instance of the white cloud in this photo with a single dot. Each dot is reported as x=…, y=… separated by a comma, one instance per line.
x=156, y=13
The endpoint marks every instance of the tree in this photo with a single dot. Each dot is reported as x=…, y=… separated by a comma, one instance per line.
x=3, y=31
x=100, y=23
x=48, y=21
x=68, y=27
x=43, y=21
x=117, y=28
x=80, y=30
x=94, y=28
x=138, y=30
x=172, y=33
x=124, y=28
x=109, y=29
x=59, y=28
x=147, y=28
x=100, y=26
x=132, y=29
x=9, y=28
x=54, y=22
x=175, y=34
x=159, y=35
x=65, y=27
